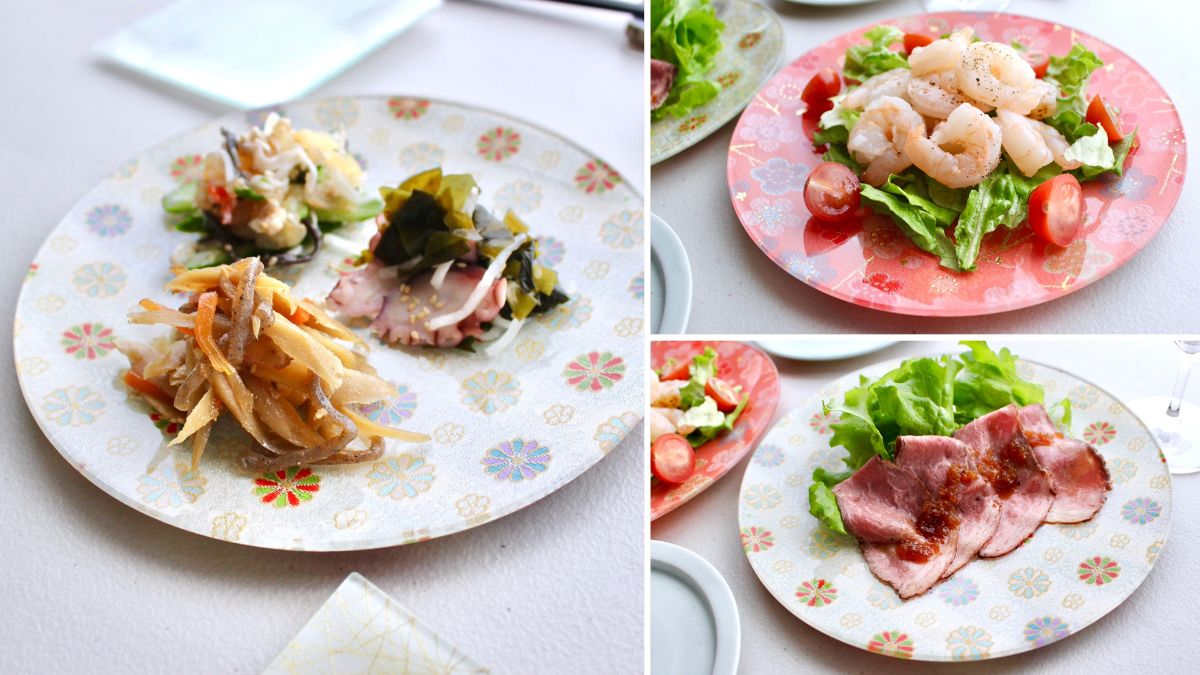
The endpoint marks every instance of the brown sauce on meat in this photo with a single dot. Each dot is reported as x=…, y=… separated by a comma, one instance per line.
x=916, y=550
x=1001, y=471
x=1037, y=439
x=938, y=518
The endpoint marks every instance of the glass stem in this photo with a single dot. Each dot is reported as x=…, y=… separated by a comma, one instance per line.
x=1186, y=363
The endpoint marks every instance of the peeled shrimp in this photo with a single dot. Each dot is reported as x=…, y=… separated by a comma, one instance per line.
x=1022, y=141
x=935, y=95
x=940, y=55
x=995, y=74
x=1047, y=103
x=961, y=151
x=878, y=138
x=1057, y=143
x=667, y=421
x=891, y=83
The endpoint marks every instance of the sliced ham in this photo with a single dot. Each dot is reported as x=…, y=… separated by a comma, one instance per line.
x=946, y=467
x=662, y=78
x=1077, y=472
x=881, y=505
x=1005, y=459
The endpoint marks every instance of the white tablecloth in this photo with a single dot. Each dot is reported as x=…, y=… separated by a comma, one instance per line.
x=91, y=585
x=738, y=289
x=1151, y=632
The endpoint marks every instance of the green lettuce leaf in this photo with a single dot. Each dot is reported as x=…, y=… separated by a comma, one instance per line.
x=1060, y=413
x=686, y=33
x=864, y=61
x=1121, y=151
x=703, y=415
x=1070, y=73
x=822, y=504
x=1093, y=152
x=704, y=366
x=703, y=435
x=989, y=381
x=1000, y=199
x=837, y=152
x=918, y=224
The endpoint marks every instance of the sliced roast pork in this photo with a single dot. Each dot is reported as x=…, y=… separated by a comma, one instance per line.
x=947, y=469
x=1077, y=472
x=887, y=507
x=662, y=78
x=1005, y=460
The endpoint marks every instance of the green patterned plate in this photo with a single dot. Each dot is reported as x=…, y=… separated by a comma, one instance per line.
x=752, y=45
x=506, y=430
x=1061, y=580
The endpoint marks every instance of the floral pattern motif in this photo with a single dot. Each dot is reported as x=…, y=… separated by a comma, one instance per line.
x=1140, y=511
x=88, y=341
x=401, y=477
x=73, y=406
x=594, y=371
x=756, y=539
x=1045, y=630
x=769, y=132
x=287, y=488
x=891, y=643
x=391, y=412
x=958, y=590
x=421, y=156
x=571, y=314
x=637, y=286
x=817, y=593
x=187, y=169
x=820, y=422
x=99, y=280
x=498, y=144
x=337, y=113
x=771, y=217
x=490, y=391
x=1099, y=433
x=108, y=220
x=596, y=177
x=517, y=460
x=520, y=197
x=762, y=497
x=969, y=643
x=550, y=251
x=1098, y=571
x=768, y=455
x=1029, y=582
x=623, y=230
x=171, y=489
x=404, y=108
x=779, y=176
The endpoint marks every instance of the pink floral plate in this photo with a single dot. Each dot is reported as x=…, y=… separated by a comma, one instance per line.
x=737, y=363
x=870, y=263
x=1060, y=580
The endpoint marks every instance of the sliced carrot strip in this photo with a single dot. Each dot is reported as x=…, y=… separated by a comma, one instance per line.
x=143, y=386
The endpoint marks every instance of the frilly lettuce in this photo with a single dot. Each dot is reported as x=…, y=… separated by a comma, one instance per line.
x=686, y=33
x=864, y=61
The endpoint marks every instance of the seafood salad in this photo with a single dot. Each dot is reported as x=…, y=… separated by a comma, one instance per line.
x=273, y=192
x=444, y=272
x=955, y=137
x=690, y=406
x=286, y=371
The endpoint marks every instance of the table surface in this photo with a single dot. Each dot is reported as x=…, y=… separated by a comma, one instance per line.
x=92, y=585
x=738, y=289
x=1141, y=635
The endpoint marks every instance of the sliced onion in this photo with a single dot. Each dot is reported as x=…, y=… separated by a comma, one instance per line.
x=481, y=289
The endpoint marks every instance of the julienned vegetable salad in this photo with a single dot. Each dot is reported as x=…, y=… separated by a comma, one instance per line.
x=690, y=406
x=282, y=190
x=685, y=37
x=955, y=137
x=921, y=397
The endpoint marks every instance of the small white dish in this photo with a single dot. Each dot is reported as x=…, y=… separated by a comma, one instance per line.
x=694, y=625
x=671, y=280
x=822, y=350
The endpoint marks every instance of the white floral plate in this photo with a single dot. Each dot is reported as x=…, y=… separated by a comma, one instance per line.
x=751, y=47
x=1057, y=583
x=506, y=430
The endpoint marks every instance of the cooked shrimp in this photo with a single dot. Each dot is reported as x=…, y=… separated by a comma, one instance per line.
x=1022, y=142
x=1057, y=144
x=878, y=138
x=935, y=95
x=891, y=83
x=995, y=74
x=942, y=54
x=961, y=151
x=666, y=394
x=667, y=421
x=1047, y=103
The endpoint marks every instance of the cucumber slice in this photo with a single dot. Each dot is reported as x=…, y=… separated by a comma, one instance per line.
x=180, y=200
x=361, y=211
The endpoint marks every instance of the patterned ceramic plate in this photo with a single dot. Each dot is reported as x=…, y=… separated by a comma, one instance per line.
x=871, y=264
x=739, y=364
x=506, y=430
x=752, y=45
x=1061, y=580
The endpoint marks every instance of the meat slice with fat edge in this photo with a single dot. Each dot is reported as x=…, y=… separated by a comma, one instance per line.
x=1005, y=460
x=1077, y=472
x=946, y=467
x=880, y=505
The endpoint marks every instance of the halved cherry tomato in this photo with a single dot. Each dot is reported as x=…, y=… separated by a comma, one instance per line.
x=1101, y=115
x=672, y=459
x=818, y=91
x=914, y=40
x=1056, y=209
x=675, y=370
x=1038, y=60
x=725, y=394
x=832, y=192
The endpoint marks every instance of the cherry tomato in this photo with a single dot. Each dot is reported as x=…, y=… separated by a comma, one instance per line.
x=725, y=394
x=914, y=40
x=1101, y=115
x=832, y=192
x=672, y=459
x=1038, y=60
x=819, y=89
x=1056, y=209
x=675, y=370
